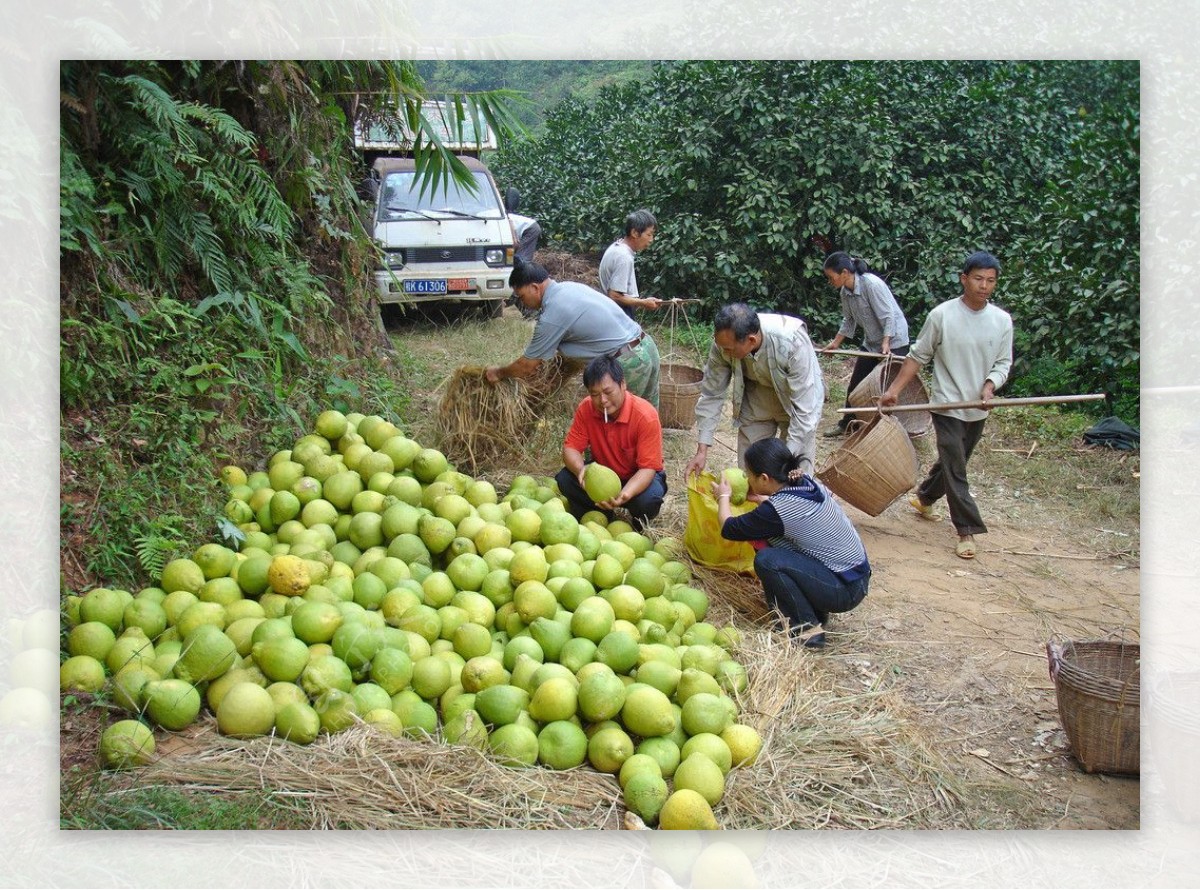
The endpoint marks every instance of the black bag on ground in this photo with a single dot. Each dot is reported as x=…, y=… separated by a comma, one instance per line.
x=1112, y=432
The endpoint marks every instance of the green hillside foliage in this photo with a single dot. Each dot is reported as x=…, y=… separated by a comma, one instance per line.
x=215, y=286
x=541, y=83
x=757, y=170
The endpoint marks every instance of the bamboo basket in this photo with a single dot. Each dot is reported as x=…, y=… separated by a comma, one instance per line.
x=1099, y=701
x=678, y=393
x=875, y=465
x=871, y=387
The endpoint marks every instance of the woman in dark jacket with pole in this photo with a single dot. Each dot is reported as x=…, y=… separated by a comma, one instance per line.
x=867, y=302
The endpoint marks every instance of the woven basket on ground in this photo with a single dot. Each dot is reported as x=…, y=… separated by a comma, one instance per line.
x=1099, y=701
x=871, y=387
x=875, y=465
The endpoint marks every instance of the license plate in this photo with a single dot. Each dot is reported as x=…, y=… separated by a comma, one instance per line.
x=425, y=286
x=459, y=284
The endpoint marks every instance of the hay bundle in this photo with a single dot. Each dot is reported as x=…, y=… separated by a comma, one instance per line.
x=365, y=779
x=485, y=425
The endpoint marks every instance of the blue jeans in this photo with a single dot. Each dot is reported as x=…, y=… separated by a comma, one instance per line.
x=641, y=508
x=803, y=589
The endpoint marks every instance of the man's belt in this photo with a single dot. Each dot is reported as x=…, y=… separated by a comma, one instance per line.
x=630, y=346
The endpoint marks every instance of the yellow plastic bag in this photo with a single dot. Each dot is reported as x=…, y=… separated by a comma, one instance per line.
x=702, y=536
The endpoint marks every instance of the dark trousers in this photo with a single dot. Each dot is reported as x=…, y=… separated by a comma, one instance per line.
x=803, y=589
x=956, y=439
x=643, y=507
x=862, y=367
x=527, y=246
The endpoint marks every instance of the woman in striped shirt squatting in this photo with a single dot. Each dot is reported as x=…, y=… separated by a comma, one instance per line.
x=813, y=561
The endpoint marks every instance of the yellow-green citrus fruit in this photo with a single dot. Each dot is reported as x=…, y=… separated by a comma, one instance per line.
x=247, y=710
x=392, y=670
x=282, y=659
x=638, y=763
x=326, y=672
x=701, y=775
x=609, y=748
x=601, y=696
x=172, y=704
x=645, y=794
x=744, y=743
x=104, y=605
x=619, y=651
x=126, y=743
x=514, y=745
x=707, y=713
x=553, y=700
x=647, y=712
x=206, y=654
x=298, y=722
x=127, y=685
x=562, y=745
x=687, y=810
x=664, y=751
x=600, y=482
x=738, y=484
x=336, y=710
x=711, y=746
x=81, y=673
x=215, y=560
x=288, y=575
x=501, y=704
x=94, y=638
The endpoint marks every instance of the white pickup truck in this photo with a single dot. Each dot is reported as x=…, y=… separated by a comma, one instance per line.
x=446, y=244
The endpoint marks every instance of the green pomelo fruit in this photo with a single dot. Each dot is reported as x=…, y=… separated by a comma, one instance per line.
x=645, y=794
x=698, y=773
x=600, y=482
x=647, y=712
x=711, y=746
x=81, y=673
x=664, y=751
x=206, y=654
x=501, y=704
x=172, y=704
x=247, y=710
x=514, y=745
x=609, y=748
x=562, y=745
x=125, y=744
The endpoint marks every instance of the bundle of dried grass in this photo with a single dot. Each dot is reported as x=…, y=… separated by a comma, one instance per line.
x=832, y=757
x=484, y=425
x=362, y=778
x=732, y=594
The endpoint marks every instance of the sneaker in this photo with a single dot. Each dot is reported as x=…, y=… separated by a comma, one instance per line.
x=926, y=511
x=816, y=641
x=834, y=432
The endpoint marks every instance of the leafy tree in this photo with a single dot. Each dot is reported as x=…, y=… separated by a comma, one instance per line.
x=757, y=170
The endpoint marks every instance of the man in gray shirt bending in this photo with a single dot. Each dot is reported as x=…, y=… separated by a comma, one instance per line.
x=581, y=323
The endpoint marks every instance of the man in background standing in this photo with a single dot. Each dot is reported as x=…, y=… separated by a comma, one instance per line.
x=617, y=276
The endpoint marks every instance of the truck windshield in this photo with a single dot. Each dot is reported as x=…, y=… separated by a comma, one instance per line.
x=401, y=198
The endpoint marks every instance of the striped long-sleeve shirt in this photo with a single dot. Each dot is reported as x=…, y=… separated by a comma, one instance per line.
x=805, y=518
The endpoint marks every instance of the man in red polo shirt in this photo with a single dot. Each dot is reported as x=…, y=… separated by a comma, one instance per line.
x=624, y=434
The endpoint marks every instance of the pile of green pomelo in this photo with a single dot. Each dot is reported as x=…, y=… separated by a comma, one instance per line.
x=376, y=584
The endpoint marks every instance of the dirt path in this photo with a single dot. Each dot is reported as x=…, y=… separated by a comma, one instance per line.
x=964, y=642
